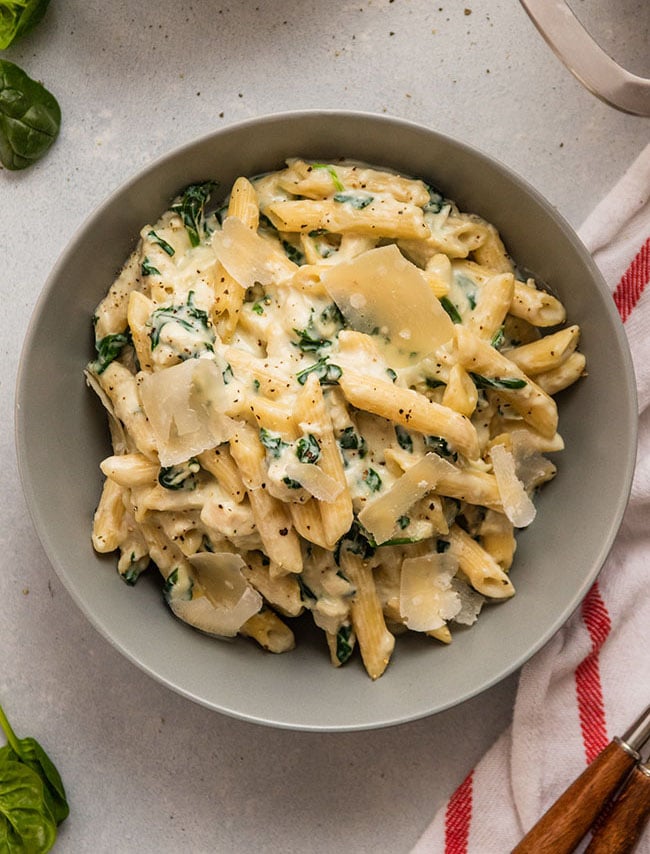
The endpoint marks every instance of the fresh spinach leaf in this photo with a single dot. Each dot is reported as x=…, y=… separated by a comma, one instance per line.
x=32, y=797
x=30, y=118
x=19, y=17
x=26, y=824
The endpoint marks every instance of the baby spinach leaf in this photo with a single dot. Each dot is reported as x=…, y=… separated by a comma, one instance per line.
x=29, y=753
x=109, y=348
x=19, y=17
x=30, y=118
x=26, y=824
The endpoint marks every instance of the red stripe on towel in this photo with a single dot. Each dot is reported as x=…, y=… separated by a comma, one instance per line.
x=636, y=277
x=458, y=817
x=591, y=708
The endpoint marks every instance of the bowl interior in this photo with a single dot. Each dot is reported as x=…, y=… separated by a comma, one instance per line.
x=62, y=436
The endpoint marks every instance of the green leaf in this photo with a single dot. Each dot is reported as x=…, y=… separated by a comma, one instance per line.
x=333, y=174
x=30, y=118
x=358, y=201
x=272, y=442
x=148, y=269
x=109, y=348
x=373, y=480
x=19, y=17
x=344, y=644
x=166, y=247
x=26, y=824
x=327, y=373
x=190, y=206
x=29, y=752
x=181, y=476
x=308, y=449
x=503, y=383
x=451, y=309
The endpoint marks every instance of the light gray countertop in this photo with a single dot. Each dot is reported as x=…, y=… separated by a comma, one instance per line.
x=147, y=770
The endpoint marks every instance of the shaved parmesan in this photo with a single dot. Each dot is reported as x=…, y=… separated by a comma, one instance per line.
x=118, y=433
x=314, y=480
x=381, y=289
x=228, y=600
x=471, y=602
x=380, y=517
x=427, y=599
x=248, y=257
x=184, y=405
x=517, y=505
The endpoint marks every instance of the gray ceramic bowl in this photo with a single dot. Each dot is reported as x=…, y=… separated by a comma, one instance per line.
x=62, y=435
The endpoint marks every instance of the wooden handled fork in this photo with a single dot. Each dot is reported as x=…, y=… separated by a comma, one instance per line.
x=570, y=818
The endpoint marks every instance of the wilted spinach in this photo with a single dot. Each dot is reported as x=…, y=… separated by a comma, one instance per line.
x=30, y=118
x=32, y=798
x=18, y=17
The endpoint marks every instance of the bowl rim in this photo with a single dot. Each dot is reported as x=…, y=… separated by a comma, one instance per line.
x=89, y=223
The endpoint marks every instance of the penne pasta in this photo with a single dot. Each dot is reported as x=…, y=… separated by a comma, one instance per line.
x=331, y=399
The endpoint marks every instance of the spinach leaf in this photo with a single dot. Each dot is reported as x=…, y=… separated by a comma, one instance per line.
x=372, y=480
x=30, y=118
x=309, y=340
x=190, y=318
x=308, y=449
x=333, y=174
x=440, y=447
x=148, y=269
x=358, y=201
x=190, y=206
x=181, y=476
x=29, y=753
x=404, y=439
x=497, y=382
x=358, y=541
x=327, y=373
x=344, y=643
x=272, y=442
x=26, y=825
x=350, y=440
x=451, y=309
x=19, y=17
x=109, y=348
x=166, y=247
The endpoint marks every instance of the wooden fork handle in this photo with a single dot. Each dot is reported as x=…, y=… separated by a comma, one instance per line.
x=563, y=826
x=624, y=823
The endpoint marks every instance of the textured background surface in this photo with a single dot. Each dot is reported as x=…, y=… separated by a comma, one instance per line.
x=147, y=770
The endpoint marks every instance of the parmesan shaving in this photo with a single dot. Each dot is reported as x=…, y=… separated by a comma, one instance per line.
x=248, y=257
x=381, y=289
x=184, y=405
x=380, y=517
x=517, y=505
x=228, y=600
x=427, y=599
x=314, y=480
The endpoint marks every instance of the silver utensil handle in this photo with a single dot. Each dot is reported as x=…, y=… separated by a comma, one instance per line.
x=586, y=60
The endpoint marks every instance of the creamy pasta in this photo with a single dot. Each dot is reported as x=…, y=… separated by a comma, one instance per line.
x=331, y=397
